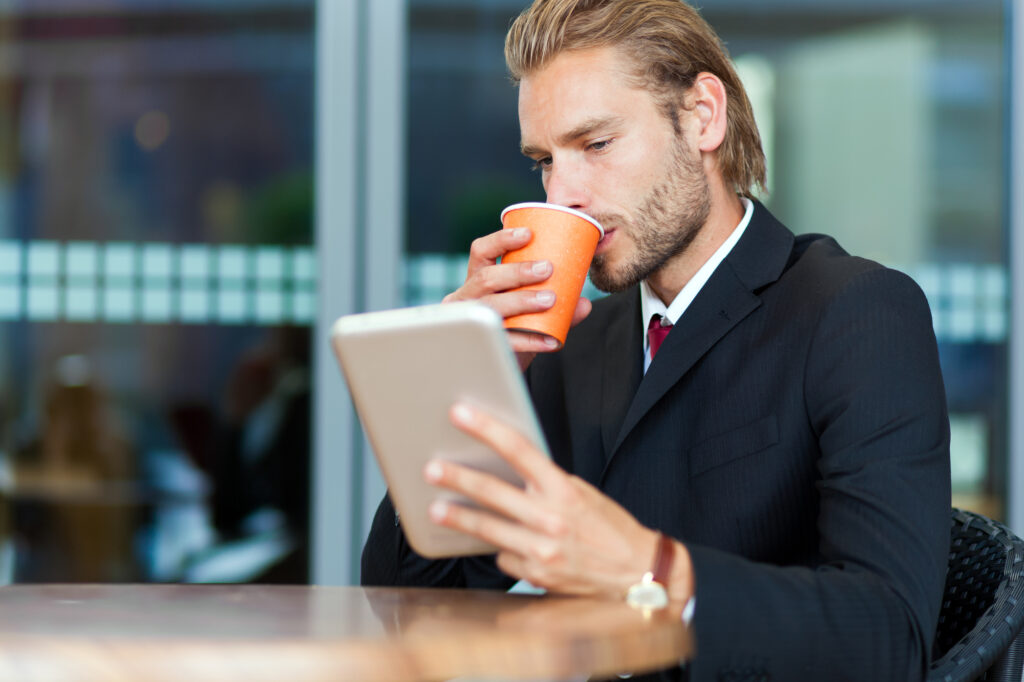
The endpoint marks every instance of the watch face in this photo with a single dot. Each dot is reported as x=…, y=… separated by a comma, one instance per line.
x=647, y=595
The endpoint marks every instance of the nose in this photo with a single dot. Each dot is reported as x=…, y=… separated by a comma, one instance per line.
x=566, y=186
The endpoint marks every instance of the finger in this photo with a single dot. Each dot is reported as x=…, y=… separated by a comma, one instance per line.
x=527, y=345
x=524, y=359
x=504, y=277
x=532, y=466
x=504, y=534
x=511, y=564
x=538, y=572
x=488, y=249
x=509, y=303
x=583, y=308
x=512, y=303
x=493, y=493
x=530, y=343
x=523, y=568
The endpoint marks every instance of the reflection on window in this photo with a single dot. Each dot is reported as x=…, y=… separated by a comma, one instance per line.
x=158, y=283
x=157, y=287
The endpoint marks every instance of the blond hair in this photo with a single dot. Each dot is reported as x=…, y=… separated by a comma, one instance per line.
x=669, y=43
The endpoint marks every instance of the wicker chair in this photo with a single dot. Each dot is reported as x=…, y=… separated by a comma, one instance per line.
x=979, y=635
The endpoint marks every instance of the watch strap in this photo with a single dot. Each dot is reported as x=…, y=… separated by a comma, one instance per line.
x=664, y=554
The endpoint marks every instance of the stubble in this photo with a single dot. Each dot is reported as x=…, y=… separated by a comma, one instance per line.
x=668, y=220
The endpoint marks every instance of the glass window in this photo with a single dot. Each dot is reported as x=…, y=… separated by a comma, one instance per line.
x=157, y=287
x=885, y=128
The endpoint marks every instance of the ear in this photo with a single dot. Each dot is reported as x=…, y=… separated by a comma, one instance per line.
x=708, y=101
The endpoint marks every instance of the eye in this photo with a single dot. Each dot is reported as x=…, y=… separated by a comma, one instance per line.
x=599, y=146
x=542, y=164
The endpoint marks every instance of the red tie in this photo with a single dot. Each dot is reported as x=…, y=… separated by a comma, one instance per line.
x=657, y=330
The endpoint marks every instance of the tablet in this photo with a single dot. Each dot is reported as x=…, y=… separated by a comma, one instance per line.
x=405, y=369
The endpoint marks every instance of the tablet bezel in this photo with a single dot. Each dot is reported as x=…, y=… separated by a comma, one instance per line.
x=405, y=368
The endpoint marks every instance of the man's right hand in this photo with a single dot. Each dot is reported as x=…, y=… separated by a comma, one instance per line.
x=493, y=284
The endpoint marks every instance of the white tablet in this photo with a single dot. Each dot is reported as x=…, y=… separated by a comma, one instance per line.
x=405, y=369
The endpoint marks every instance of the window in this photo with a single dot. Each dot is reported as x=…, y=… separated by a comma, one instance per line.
x=157, y=289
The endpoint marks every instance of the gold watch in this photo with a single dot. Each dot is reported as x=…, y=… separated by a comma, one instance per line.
x=651, y=593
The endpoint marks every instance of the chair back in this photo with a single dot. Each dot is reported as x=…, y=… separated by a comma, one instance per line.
x=979, y=636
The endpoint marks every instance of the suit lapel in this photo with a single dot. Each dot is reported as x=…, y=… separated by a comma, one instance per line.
x=728, y=297
x=718, y=308
x=623, y=368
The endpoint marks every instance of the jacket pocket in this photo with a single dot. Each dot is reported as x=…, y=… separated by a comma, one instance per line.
x=733, y=445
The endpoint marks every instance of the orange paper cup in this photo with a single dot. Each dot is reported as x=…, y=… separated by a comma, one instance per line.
x=566, y=238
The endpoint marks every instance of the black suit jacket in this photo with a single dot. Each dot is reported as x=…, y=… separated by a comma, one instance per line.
x=792, y=431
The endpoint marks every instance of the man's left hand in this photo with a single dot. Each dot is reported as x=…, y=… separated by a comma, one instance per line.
x=558, y=532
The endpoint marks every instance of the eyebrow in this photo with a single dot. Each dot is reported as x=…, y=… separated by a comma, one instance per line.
x=582, y=130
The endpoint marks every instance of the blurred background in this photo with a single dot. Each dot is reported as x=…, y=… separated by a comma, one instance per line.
x=191, y=191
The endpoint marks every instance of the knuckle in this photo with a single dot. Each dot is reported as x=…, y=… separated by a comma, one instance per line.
x=477, y=245
x=485, y=488
x=534, y=574
x=571, y=500
x=531, y=298
x=546, y=553
x=460, y=516
x=556, y=526
x=460, y=478
x=485, y=278
x=575, y=489
x=574, y=483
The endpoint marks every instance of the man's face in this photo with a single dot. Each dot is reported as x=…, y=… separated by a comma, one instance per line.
x=605, y=147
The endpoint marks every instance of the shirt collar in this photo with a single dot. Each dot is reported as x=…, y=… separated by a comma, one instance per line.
x=650, y=304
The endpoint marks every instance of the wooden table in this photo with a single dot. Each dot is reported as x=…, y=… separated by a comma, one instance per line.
x=251, y=632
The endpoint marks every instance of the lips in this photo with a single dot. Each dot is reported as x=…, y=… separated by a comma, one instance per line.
x=605, y=240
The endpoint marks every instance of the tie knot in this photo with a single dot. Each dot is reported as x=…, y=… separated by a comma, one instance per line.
x=657, y=330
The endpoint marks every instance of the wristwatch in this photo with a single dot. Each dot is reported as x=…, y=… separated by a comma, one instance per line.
x=650, y=592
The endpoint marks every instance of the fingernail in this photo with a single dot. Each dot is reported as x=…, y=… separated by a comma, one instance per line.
x=462, y=413
x=550, y=342
x=546, y=297
x=520, y=233
x=432, y=472
x=438, y=510
x=541, y=267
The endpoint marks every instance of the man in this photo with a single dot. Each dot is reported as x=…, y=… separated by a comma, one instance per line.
x=790, y=433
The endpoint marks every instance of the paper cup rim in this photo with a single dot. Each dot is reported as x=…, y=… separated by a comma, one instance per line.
x=564, y=209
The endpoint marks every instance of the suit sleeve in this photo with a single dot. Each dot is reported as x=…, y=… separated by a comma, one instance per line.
x=388, y=560
x=868, y=609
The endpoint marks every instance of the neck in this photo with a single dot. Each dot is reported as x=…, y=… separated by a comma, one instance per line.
x=725, y=214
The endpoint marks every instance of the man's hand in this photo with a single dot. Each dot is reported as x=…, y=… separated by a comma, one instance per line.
x=493, y=284
x=559, y=532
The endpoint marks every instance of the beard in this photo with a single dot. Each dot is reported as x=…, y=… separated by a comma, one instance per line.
x=667, y=221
